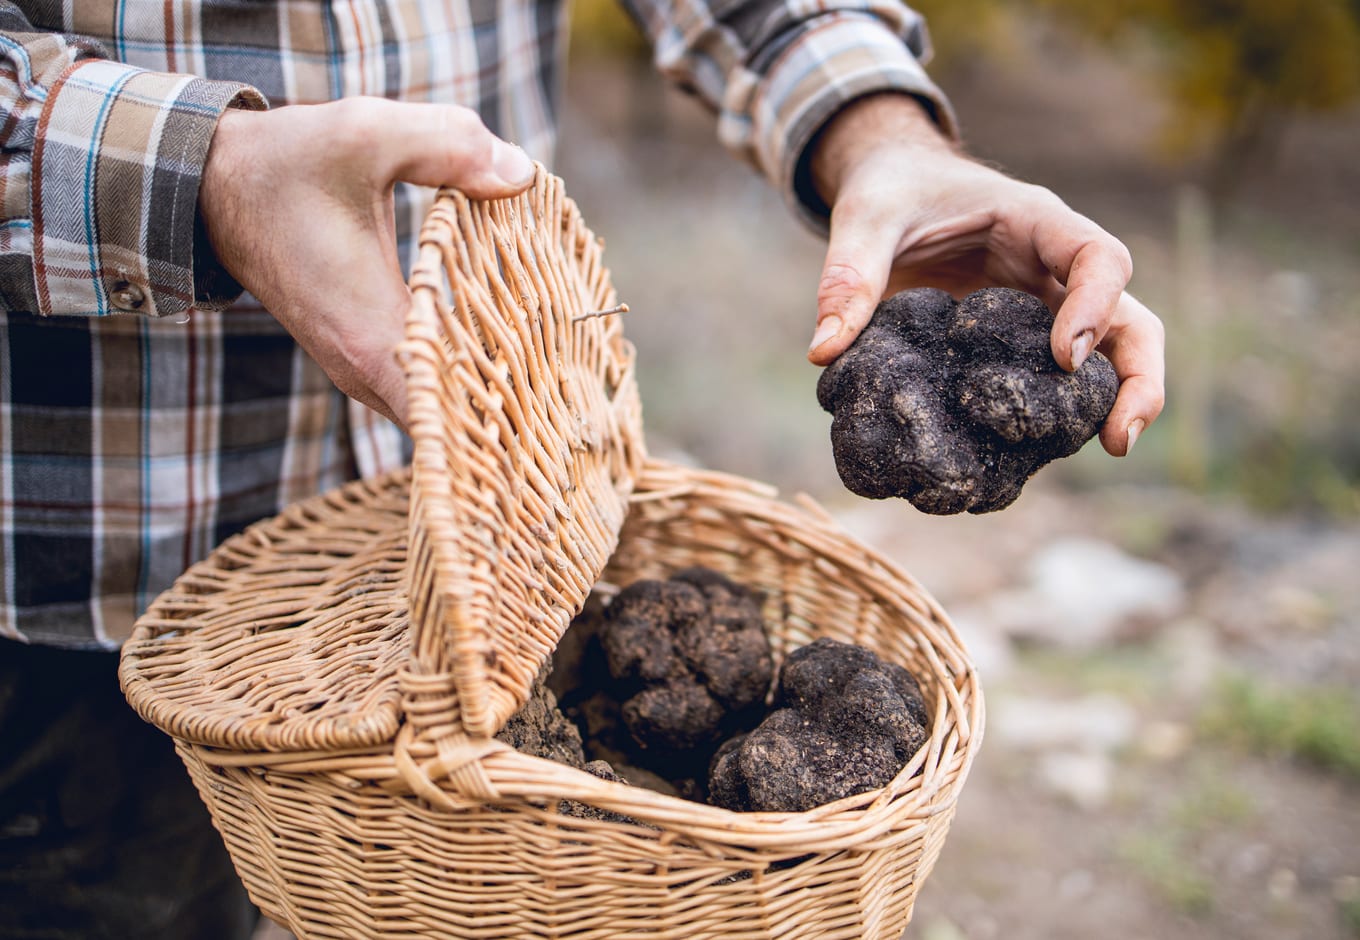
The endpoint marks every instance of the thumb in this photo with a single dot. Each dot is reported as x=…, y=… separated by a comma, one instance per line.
x=448, y=145
x=858, y=263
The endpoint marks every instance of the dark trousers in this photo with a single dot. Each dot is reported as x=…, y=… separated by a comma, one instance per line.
x=102, y=835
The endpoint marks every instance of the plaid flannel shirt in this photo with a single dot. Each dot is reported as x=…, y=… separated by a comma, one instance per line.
x=147, y=409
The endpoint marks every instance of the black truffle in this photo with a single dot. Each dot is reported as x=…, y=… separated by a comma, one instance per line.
x=539, y=728
x=691, y=658
x=953, y=406
x=846, y=722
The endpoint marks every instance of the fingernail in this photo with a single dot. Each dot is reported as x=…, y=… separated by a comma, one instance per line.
x=512, y=164
x=826, y=330
x=1081, y=348
x=1135, y=428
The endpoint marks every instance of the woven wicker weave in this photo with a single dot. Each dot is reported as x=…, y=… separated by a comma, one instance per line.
x=333, y=697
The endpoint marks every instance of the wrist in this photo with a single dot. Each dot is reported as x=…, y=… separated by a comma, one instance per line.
x=866, y=124
x=220, y=168
x=230, y=165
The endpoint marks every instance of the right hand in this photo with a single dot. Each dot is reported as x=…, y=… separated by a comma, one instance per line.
x=909, y=210
x=297, y=203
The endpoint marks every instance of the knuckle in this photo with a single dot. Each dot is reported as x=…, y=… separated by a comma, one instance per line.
x=354, y=112
x=1042, y=198
x=1120, y=254
x=466, y=126
x=1156, y=328
x=463, y=120
x=839, y=279
x=1156, y=402
x=470, y=142
x=1144, y=328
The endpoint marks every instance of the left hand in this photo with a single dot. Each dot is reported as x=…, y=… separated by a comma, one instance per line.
x=909, y=210
x=297, y=204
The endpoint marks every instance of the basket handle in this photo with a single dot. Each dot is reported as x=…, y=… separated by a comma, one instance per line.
x=456, y=758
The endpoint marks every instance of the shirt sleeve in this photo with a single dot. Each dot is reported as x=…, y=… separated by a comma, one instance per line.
x=100, y=166
x=776, y=70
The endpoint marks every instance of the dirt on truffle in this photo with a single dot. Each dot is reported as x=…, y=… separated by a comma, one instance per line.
x=541, y=729
x=953, y=406
x=691, y=661
x=846, y=722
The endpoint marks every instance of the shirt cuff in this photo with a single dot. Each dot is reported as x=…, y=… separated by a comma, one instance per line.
x=839, y=58
x=116, y=168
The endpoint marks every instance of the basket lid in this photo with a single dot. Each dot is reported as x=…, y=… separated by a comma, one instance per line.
x=294, y=636
x=528, y=437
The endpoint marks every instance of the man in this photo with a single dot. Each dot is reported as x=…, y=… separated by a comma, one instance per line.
x=148, y=408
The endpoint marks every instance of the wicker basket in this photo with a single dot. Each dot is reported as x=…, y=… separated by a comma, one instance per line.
x=334, y=696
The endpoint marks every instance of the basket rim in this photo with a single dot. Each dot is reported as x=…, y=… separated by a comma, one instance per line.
x=835, y=826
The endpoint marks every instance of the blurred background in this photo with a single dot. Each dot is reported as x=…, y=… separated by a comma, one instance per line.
x=1170, y=644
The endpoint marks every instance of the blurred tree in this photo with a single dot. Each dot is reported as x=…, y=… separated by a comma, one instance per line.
x=964, y=30
x=604, y=28
x=1235, y=69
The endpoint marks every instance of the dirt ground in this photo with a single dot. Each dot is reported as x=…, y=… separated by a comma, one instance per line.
x=1186, y=768
x=1171, y=825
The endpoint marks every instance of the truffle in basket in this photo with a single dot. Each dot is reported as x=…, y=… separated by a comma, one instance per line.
x=691, y=660
x=659, y=677
x=541, y=729
x=953, y=406
x=845, y=722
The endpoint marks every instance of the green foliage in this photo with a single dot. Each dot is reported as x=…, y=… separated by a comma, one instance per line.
x=1137, y=673
x=1169, y=853
x=1164, y=863
x=1223, y=56
x=1320, y=726
x=1233, y=68
x=1350, y=916
x=963, y=28
x=1282, y=467
x=1262, y=320
x=1214, y=802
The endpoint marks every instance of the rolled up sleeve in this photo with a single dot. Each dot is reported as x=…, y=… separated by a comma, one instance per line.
x=117, y=160
x=775, y=71
x=100, y=166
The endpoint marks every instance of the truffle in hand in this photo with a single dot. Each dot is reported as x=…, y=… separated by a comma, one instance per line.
x=847, y=722
x=953, y=406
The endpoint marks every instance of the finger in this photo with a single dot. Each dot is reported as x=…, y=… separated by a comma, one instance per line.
x=1094, y=267
x=1136, y=346
x=392, y=411
x=859, y=260
x=446, y=145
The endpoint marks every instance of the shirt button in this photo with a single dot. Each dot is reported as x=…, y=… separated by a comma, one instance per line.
x=127, y=297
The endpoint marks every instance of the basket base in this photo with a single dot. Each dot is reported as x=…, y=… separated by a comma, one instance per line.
x=501, y=874
x=336, y=843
